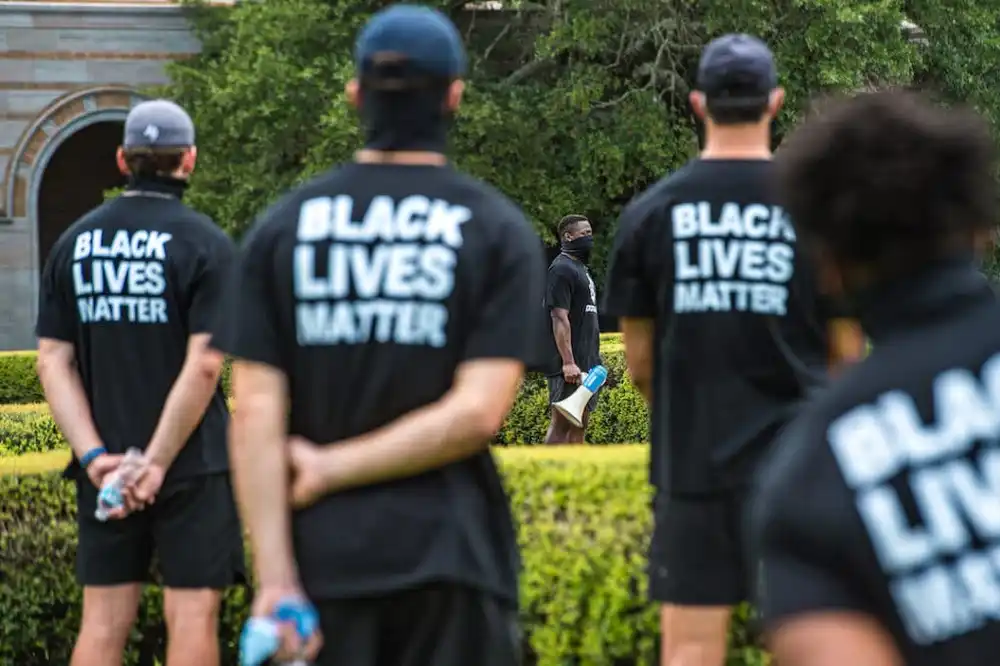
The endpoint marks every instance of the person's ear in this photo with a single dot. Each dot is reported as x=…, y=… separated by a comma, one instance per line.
x=775, y=101
x=120, y=159
x=454, y=97
x=698, y=105
x=353, y=92
x=189, y=159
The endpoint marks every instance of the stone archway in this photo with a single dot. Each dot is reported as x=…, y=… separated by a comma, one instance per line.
x=55, y=126
x=74, y=180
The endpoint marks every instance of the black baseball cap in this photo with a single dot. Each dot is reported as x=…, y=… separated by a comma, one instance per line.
x=158, y=124
x=737, y=69
x=404, y=44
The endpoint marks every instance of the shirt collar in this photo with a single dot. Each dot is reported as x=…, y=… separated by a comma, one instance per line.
x=923, y=298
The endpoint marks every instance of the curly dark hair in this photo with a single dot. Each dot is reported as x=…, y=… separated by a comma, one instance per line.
x=568, y=223
x=890, y=179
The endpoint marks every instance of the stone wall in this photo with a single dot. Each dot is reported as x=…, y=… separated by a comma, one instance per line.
x=63, y=66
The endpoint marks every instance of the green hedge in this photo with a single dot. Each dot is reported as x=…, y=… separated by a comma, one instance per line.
x=583, y=517
x=621, y=416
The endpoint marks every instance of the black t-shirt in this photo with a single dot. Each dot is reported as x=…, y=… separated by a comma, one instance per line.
x=368, y=287
x=570, y=287
x=128, y=284
x=883, y=497
x=710, y=257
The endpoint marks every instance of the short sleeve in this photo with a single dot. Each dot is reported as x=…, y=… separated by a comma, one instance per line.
x=209, y=288
x=250, y=329
x=628, y=291
x=57, y=317
x=558, y=289
x=505, y=325
x=796, y=536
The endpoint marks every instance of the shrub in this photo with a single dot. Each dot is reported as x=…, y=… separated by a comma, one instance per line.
x=620, y=416
x=583, y=518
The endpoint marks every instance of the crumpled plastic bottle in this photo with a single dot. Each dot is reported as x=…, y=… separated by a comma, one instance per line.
x=261, y=636
x=111, y=496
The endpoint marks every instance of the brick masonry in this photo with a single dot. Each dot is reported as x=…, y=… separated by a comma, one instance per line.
x=60, y=62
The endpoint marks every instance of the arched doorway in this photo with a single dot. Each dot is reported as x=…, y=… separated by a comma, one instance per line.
x=77, y=175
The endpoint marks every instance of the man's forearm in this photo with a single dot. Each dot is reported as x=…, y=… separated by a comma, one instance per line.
x=260, y=481
x=564, y=339
x=182, y=412
x=69, y=406
x=426, y=439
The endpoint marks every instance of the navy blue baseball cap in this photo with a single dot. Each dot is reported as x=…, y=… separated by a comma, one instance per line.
x=407, y=42
x=737, y=68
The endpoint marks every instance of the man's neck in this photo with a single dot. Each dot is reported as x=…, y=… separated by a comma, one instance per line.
x=410, y=158
x=751, y=142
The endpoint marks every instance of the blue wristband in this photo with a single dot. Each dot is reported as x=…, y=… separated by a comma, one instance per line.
x=91, y=455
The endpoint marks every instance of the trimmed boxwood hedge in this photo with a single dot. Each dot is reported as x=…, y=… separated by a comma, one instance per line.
x=25, y=424
x=584, y=520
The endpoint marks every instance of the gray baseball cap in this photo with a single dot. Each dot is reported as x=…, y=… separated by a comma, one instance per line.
x=158, y=123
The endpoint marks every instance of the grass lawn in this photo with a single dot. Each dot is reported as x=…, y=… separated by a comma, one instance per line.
x=35, y=463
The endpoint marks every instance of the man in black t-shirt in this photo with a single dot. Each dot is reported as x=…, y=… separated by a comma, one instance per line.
x=387, y=306
x=571, y=302
x=128, y=295
x=722, y=335
x=877, y=522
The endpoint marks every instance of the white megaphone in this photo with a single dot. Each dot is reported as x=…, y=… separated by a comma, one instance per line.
x=573, y=406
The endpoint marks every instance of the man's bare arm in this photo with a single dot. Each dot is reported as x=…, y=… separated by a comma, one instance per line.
x=563, y=335
x=639, y=347
x=847, y=342
x=833, y=639
x=260, y=469
x=65, y=394
x=455, y=427
x=187, y=401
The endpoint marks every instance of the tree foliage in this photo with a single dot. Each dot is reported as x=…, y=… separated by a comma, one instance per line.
x=572, y=105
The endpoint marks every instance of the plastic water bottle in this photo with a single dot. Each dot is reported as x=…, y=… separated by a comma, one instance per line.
x=112, y=496
x=261, y=637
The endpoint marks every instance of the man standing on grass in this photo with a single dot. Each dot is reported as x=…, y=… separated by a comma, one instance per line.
x=127, y=298
x=382, y=323
x=571, y=301
x=724, y=336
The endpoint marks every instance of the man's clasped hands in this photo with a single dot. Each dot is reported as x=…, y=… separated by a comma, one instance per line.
x=144, y=482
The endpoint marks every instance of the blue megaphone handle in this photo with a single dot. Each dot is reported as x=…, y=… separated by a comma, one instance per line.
x=300, y=613
x=595, y=378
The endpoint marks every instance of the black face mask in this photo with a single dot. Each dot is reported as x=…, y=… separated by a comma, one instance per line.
x=405, y=121
x=579, y=248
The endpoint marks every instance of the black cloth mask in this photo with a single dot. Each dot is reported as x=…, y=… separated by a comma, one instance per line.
x=579, y=248
x=405, y=121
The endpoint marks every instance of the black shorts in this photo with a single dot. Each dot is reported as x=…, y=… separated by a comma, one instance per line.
x=559, y=389
x=698, y=554
x=440, y=625
x=192, y=533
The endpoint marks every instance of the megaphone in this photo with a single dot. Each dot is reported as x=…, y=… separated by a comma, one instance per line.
x=573, y=406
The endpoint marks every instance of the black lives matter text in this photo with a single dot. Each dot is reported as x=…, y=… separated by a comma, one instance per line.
x=740, y=262
x=119, y=277
x=381, y=274
x=945, y=565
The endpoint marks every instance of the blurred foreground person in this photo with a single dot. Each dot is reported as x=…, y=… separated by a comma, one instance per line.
x=128, y=298
x=383, y=316
x=725, y=336
x=877, y=525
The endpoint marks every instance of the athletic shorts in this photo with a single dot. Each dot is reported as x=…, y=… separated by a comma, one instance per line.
x=698, y=554
x=192, y=533
x=435, y=625
x=560, y=389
